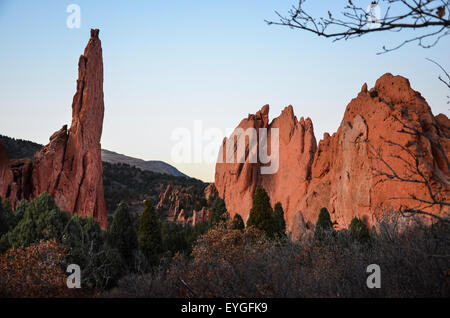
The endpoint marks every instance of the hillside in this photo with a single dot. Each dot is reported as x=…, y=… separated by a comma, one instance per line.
x=19, y=148
x=151, y=165
x=129, y=179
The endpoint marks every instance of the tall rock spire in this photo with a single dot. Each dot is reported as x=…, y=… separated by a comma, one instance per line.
x=70, y=168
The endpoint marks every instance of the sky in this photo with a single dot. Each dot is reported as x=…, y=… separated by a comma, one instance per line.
x=171, y=65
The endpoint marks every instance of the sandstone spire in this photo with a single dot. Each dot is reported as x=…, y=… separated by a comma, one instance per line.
x=69, y=168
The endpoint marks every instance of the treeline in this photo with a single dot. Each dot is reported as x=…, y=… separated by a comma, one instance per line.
x=124, y=183
x=143, y=255
x=133, y=243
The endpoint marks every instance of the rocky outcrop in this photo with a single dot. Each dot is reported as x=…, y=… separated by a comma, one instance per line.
x=346, y=172
x=184, y=204
x=6, y=175
x=69, y=168
x=210, y=192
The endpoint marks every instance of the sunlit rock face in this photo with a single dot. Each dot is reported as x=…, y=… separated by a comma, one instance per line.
x=342, y=173
x=69, y=168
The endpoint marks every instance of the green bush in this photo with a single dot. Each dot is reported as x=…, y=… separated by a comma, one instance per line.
x=82, y=237
x=373, y=94
x=238, y=223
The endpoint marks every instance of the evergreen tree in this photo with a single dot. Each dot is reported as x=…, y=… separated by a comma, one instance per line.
x=261, y=214
x=279, y=222
x=323, y=225
x=358, y=230
x=149, y=234
x=238, y=223
x=219, y=212
x=122, y=234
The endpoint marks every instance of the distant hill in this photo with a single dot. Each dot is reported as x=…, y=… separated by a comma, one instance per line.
x=152, y=165
x=18, y=148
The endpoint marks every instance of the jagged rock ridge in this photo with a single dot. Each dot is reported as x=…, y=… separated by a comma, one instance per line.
x=339, y=173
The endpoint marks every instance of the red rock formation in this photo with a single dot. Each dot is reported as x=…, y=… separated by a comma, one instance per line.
x=339, y=173
x=201, y=216
x=69, y=168
x=210, y=191
x=236, y=182
x=6, y=175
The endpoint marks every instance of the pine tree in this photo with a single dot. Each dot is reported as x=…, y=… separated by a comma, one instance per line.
x=278, y=220
x=261, y=214
x=219, y=212
x=149, y=234
x=122, y=234
x=238, y=223
x=323, y=225
x=358, y=230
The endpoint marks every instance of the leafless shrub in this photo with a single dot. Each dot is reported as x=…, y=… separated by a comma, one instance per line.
x=414, y=263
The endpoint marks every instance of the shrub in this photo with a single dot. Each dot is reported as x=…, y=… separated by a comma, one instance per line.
x=82, y=238
x=373, y=94
x=238, y=223
x=34, y=271
x=231, y=263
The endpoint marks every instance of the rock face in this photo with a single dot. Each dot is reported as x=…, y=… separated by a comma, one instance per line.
x=343, y=172
x=69, y=168
x=179, y=204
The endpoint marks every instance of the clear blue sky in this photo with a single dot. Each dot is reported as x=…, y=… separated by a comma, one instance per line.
x=169, y=63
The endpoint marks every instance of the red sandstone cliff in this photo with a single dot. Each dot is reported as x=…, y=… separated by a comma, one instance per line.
x=342, y=173
x=69, y=168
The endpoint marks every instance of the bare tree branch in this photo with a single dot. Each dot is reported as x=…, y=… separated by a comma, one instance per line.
x=418, y=171
x=355, y=21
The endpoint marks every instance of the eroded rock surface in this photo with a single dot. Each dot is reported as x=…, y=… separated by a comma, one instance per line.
x=342, y=173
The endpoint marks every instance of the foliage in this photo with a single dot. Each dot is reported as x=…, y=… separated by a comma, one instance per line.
x=124, y=183
x=34, y=271
x=373, y=94
x=278, y=220
x=231, y=263
x=261, y=214
x=6, y=217
x=323, y=224
x=18, y=148
x=358, y=230
x=238, y=223
x=219, y=212
x=122, y=233
x=180, y=238
x=81, y=237
x=149, y=234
